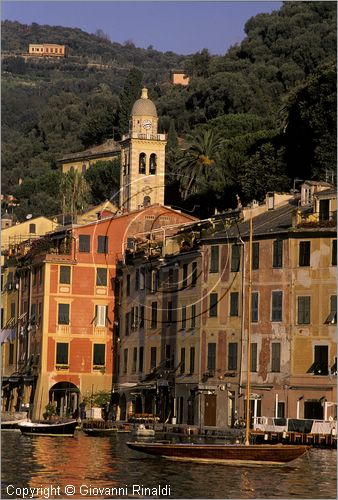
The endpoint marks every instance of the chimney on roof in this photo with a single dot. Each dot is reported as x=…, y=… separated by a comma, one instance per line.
x=270, y=200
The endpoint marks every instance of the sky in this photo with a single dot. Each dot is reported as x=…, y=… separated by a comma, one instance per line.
x=183, y=27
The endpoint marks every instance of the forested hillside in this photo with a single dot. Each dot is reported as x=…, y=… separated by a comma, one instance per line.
x=252, y=120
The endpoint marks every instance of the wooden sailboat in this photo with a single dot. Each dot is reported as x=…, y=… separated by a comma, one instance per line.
x=229, y=454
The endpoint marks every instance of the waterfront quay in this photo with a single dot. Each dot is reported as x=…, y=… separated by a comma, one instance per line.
x=100, y=463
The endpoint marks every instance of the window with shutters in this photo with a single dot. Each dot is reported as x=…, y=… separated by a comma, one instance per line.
x=304, y=253
x=254, y=307
x=211, y=361
x=194, y=274
x=253, y=357
x=192, y=360
x=62, y=353
x=213, y=304
x=102, y=244
x=235, y=258
x=140, y=359
x=193, y=316
x=134, y=365
x=101, y=315
x=63, y=314
x=84, y=243
x=101, y=276
x=137, y=279
x=214, y=259
x=255, y=255
x=334, y=253
x=277, y=306
x=332, y=317
x=99, y=353
x=320, y=366
x=125, y=361
x=275, y=357
x=303, y=310
x=153, y=314
x=141, y=316
x=65, y=275
x=182, y=364
x=277, y=258
x=153, y=355
x=185, y=276
x=234, y=303
x=127, y=324
x=184, y=317
x=232, y=356
x=128, y=285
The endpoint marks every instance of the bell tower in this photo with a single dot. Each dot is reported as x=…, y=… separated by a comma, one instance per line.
x=142, y=158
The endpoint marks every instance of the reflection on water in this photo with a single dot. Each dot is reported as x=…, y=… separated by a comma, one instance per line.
x=107, y=462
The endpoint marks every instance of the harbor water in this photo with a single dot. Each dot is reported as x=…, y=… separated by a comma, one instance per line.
x=104, y=467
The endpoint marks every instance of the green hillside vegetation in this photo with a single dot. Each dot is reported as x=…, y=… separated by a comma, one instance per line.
x=252, y=120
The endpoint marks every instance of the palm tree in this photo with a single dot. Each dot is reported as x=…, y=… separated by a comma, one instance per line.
x=199, y=160
x=75, y=193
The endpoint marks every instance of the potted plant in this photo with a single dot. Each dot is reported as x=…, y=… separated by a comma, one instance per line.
x=50, y=411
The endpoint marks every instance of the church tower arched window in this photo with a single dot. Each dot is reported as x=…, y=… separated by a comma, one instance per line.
x=152, y=164
x=142, y=163
x=125, y=164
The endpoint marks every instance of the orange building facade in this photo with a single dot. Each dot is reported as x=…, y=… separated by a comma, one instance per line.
x=66, y=309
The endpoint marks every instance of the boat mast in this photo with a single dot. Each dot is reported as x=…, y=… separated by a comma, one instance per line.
x=247, y=426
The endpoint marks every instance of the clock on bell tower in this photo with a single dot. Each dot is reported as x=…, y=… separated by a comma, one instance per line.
x=142, y=158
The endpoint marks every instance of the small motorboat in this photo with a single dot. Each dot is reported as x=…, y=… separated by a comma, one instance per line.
x=142, y=431
x=59, y=428
x=100, y=431
x=10, y=421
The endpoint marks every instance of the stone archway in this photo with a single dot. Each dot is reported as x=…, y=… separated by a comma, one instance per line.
x=66, y=397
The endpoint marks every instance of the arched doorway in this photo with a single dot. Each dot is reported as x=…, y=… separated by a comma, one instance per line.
x=66, y=397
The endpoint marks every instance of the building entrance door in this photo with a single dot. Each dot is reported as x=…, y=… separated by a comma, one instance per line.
x=210, y=409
